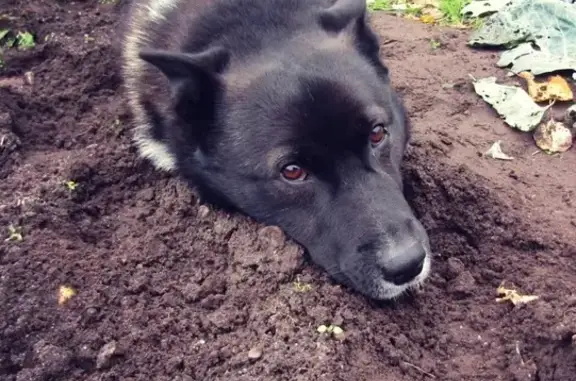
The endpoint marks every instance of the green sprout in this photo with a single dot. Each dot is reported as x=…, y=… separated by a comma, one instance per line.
x=435, y=44
x=336, y=331
x=14, y=234
x=301, y=286
x=25, y=40
x=71, y=185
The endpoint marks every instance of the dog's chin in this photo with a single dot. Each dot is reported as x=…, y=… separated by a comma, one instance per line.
x=375, y=287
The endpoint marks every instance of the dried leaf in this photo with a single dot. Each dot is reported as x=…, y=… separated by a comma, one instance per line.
x=553, y=137
x=513, y=296
x=556, y=88
x=495, y=152
x=65, y=293
x=427, y=19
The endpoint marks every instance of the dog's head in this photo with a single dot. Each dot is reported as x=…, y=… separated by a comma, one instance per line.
x=309, y=138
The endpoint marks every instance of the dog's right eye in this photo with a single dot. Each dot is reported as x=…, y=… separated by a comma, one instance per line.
x=293, y=172
x=377, y=134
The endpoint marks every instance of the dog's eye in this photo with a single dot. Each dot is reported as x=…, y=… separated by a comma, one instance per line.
x=377, y=134
x=293, y=172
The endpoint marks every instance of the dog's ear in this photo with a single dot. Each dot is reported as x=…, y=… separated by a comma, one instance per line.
x=341, y=14
x=347, y=12
x=194, y=78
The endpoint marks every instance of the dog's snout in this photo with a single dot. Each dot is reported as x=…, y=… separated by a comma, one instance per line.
x=404, y=265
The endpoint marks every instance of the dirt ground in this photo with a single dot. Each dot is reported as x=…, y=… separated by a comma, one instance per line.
x=171, y=290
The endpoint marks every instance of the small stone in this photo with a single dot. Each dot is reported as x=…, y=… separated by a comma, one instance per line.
x=455, y=268
x=322, y=329
x=273, y=236
x=89, y=315
x=570, y=117
x=147, y=194
x=203, y=211
x=105, y=355
x=29, y=78
x=255, y=353
x=462, y=286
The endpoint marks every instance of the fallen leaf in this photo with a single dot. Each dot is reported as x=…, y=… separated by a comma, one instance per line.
x=495, y=152
x=65, y=293
x=556, y=88
x=512, y=103
x=429, y=10
x=427, y=19
x=553, y=137
x=513, y=296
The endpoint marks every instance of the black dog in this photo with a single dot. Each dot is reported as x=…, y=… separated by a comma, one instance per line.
x=282, y=110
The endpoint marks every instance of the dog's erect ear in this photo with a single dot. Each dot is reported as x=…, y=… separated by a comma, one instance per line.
x=341, y=14
x=193, y=77
x=178, y=66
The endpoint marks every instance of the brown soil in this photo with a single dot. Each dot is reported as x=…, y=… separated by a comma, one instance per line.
x=170, y=290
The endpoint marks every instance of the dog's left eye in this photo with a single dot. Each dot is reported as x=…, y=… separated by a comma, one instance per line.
x=377, y=134
x=293, y=172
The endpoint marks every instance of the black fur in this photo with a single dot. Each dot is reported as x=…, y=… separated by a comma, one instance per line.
x=259, y=84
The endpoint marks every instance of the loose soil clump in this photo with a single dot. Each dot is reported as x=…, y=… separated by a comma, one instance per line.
x=167, y=289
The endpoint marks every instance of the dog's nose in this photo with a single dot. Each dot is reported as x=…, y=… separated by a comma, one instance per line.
x=406, y=265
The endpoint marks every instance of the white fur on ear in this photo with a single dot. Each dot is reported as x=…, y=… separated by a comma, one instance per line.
x=154, y=151
x=145, y=13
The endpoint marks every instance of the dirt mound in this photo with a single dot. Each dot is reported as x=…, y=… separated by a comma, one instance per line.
x=172, y=290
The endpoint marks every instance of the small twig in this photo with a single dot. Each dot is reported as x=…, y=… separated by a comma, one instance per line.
x=519, y=354
x=419, y=369
x=388, y=42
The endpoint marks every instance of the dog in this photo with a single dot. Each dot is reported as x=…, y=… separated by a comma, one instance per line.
x=282, y=110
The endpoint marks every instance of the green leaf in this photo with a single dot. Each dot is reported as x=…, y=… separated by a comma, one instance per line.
x=25, y=40
x=541, y=35
x=3, y=33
